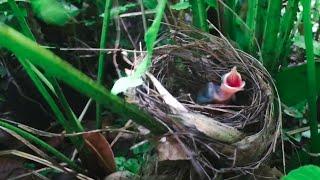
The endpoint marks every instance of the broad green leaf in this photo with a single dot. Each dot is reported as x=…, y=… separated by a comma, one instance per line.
x=124, y=83
x=53, y=12
x=212, y=3
x=180, y=5
x=308, y=172
x=292, y=85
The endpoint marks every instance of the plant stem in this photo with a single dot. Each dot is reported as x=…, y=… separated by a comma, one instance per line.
x=270, y=35
x=261, y=19
x=102, y=56
x=311, y=77
x=229, y=20
x=199, y=14
x=286, y=27
x=22, y=22
x=251, y=22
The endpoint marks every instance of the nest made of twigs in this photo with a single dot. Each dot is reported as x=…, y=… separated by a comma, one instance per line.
x=190, y=61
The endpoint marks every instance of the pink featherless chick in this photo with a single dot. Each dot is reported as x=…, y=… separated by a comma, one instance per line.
x=222, y=94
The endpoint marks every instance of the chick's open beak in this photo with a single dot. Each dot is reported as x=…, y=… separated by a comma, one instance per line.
x=232, y=82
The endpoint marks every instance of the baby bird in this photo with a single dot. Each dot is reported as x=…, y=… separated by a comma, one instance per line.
x=221, y=94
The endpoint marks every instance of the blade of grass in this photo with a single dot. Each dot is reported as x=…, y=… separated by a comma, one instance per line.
x=199, y=14
x=311, y=77
x=150, y=37
x=251, y=22
x=41, y=143
x=285, y=31
x=270, y=35
x=25, y=48
x=77, y=141
x=229, y=20
x=102, y=56
x=75, y=123
x=32, y=71
x=22, y=22
x=261, y=19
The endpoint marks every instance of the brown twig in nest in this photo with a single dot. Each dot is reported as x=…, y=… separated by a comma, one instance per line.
x=232, y=138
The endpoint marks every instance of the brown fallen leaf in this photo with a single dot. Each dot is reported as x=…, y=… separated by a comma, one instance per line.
x=101, y=161
x=169, y=149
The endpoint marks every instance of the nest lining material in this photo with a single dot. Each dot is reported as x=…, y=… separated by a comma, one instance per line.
x=185, y=66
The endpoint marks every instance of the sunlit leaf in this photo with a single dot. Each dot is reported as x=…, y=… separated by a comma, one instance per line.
x=53, y=12
x=309, y=172
x=124, y=83
x=180, y=5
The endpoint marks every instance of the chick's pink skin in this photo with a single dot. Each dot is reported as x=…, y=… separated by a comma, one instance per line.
x=231, y=84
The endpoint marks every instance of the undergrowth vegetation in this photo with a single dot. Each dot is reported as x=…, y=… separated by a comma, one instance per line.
x=63, y=76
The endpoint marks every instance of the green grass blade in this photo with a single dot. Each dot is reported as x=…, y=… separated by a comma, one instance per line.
x=270, y=35
x=102, y=56
x=78, y=142
x=311, y=77
x=261, y=19
x=25, y=48
x=22, y=22
x=229, y=19
x=251, y=22
x=32, y=71
x=150, y=37
x=41, y=143
x=75, y=124
x=199, y=14
x=285, y=31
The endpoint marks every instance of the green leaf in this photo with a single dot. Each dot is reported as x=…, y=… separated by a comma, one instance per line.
x=150, y=4
x=132, y=165
x=180, y=5
x=53, y=12
x=141, y=147
x=292, y=85
x=212, y=3
x=120, y=161
x=308, y=172
x=124, y=83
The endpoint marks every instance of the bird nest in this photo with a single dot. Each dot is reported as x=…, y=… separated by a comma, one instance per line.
x=233, y=138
